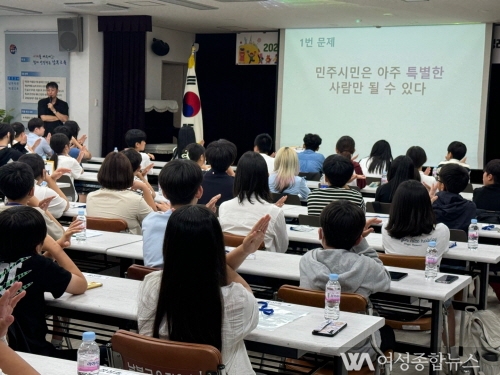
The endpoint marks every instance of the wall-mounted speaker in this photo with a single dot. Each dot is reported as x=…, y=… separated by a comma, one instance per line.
x=70, y=33
x=159, y=47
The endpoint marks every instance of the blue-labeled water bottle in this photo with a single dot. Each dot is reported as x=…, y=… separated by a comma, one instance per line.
x=82, y=236
x=115, y=149
x=322, y=182
x=383, y=179
x=473, y=235
x=88, y=355
x=332, y=297
x=431, y=261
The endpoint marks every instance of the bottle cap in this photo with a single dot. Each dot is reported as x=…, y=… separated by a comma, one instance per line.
x=473, y=221
x=88, y=336
x=81, y=212
x=432, y=243
x=334, y=277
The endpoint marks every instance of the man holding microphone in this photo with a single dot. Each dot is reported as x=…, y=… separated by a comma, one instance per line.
x=51, y=110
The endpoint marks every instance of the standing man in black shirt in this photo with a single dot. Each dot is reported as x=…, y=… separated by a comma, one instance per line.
x=51, y=110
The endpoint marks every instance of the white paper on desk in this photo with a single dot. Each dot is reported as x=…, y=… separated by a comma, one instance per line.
x=249, y=256
x=282, y=315
x=93, y=233
x=95, y=275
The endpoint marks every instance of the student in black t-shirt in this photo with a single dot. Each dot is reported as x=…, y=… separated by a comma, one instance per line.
x=24, y=236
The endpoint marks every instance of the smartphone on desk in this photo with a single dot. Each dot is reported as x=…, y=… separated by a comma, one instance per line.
x=329, y=328
x=446, y=279
x=396, y=276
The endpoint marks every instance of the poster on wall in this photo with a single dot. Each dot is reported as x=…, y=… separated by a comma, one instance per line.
x=257, y=48
x=32, y=59
x=495, y=58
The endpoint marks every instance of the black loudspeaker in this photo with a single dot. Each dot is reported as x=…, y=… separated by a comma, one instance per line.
x=70, y=34
x=159, y=47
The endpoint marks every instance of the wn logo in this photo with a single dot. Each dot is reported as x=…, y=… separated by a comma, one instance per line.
x=356, y=361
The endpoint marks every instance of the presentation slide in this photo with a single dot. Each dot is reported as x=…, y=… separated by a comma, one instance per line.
x=408, y=85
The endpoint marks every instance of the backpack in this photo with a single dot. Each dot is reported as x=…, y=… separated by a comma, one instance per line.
x=483, y=333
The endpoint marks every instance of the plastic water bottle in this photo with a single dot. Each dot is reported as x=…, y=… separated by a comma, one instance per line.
x=435, y=172
x=115, y=149
x=431, y=261
x=473, y=235
x=322, y=182
x=82, y=236
x=332, y=297
x=383, y=179
x=88, y=355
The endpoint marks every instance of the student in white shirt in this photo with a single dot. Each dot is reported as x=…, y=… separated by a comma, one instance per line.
x=136, y=139
x=419, y=157
x=60, y=144
x=412, y=225
x=380, y=160
x=263, y=144
x=251, y=202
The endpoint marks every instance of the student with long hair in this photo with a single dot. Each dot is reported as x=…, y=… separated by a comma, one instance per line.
x=412, y=225
x=380, y=160
x=7, y=153
x=419, y=157
x=59, y=143
x=346, y=147
x=285, y=179
x=402, y=169
x=199, y=297
x=251, y=201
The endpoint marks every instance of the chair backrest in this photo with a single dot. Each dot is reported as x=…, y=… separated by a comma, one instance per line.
x=469, y=188
x=311, y=176
x=381, y=208
x=458, y=235
x=313, y=221
x=163, y=356
x=138, y=272
x=292, y=199
x=106, y=225
x=485, y=216
x=234, y=240
x=350, y=302
x=403, y=261
x=70, y=191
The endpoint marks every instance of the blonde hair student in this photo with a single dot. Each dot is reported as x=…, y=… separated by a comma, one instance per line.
x=284, y=178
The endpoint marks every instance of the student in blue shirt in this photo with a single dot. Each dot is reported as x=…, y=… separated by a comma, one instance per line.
x=180, y=181
x=310, y=160
x=285, y=179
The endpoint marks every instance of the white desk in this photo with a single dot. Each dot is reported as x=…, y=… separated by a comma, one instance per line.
x=117, y=299
x=107, y=240
x=88, y=177
x=55, y=366
x=293, y=211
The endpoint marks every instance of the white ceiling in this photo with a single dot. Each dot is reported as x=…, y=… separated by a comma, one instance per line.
x=237, y=15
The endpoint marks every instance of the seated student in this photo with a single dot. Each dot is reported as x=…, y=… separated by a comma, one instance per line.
x=21, y=138
x=450, y=207
x=136, y=139
x=180, y=181
x=18, y=186
x=53, y=272
x=263, y=144
x=60, y=144
x=196, y=153
x=412, y=223
x=7, y=154
x=345, y=146
x=402, y=169
x=46, y=186
x=252, y=200
x=310, y=160
x=77, y=144
x=285, y=179
x=456, y=155
x=219, y=179
x=412, y=226
x=419, y=157
x=114, y=200
x=346, y=253
x=140, y=181
x=488, y=196
x=338, y=171
x=380, y=160
x=36, y=129
x=193, y=251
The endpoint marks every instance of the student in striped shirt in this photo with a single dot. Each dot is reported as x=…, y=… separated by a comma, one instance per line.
x=338, y=171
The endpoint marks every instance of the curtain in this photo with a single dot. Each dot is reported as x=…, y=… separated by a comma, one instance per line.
x=124, y=77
